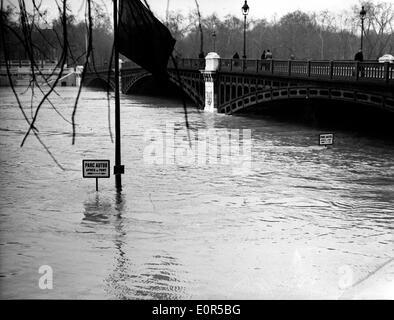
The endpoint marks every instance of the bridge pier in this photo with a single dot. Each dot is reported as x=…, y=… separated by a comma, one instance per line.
x=209, y=74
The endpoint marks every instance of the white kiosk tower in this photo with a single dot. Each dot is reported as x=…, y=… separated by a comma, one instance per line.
x=211, y=66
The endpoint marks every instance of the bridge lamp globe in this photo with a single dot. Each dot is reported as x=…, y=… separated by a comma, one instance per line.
x=245, y=8
x=362, y=13
x=362, y=17
x=245, y=12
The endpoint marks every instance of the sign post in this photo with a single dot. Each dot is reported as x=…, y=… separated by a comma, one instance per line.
x=96, y=169
x=326, y=139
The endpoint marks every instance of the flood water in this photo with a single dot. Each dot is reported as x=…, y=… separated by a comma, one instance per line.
x=304, y=222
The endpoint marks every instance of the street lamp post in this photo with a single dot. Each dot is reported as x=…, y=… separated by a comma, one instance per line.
x=362, y=17
x=214, y=40
x=245, y=11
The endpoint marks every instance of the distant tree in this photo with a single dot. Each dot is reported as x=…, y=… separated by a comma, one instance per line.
x=260, y=37
x=379, y=27
x=297, y=30
x=324, y=26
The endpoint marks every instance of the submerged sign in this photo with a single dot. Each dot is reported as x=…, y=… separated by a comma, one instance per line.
x=95, y=168
x=326, y=139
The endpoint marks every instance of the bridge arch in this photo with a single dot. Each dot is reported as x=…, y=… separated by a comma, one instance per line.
x=192, y=83
x=129, y=80
x=99, y=82
x=251, y=99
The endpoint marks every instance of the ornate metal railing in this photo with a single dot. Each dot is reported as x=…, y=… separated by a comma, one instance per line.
x=326, y=70
x=189, y=63
x=335, y=70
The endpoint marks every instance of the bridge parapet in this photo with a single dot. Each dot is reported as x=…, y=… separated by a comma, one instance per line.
x=188, y=64
x=338, y=70
x=324, y=69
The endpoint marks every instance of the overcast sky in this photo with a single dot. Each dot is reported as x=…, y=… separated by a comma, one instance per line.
x=258, y=8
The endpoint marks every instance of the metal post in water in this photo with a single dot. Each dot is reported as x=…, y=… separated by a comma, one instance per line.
x=118, y=168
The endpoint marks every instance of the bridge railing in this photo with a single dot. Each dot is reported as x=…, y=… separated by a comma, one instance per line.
x=298, y=68
x=370, y=70
x=226, y=64
x=339, y=70
x=249, y=65
x=330, y=70
x=343, y=69
x=195, y=64
x=27, y=63
x=390, y=71
x=280, y=67
x=318, y=69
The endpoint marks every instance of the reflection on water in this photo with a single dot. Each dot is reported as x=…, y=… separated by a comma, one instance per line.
x=99, y=211
x=306, y=222
x=159, y=279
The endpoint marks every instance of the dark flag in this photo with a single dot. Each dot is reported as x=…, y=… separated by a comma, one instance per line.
x=143, y=38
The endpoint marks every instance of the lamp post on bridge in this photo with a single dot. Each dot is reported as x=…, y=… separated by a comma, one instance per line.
x=362, y=17
x=245, y=11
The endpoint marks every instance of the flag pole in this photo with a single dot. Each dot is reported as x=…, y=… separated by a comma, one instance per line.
x=118, y=168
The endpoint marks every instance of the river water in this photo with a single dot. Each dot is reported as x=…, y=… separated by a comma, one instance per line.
x=302, y=222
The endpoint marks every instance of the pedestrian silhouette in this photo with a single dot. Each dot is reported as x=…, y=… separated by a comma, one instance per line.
x=263, y=55
x=359, y=58
x=268, y=56
x=236, y=58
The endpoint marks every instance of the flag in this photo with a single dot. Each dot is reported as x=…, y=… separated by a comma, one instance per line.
x=143, y=38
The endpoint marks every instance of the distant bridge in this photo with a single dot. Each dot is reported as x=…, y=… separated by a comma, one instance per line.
x=241, y=84
x=45, y=73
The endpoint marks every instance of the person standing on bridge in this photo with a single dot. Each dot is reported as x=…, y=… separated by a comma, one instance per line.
x=263, y=61
x=236, y=59
x=268, y=56
x=359, y=57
